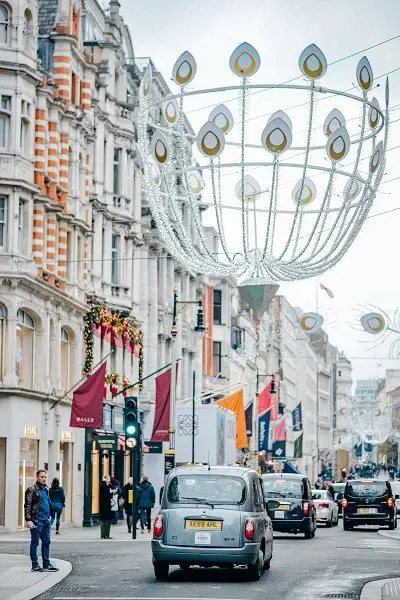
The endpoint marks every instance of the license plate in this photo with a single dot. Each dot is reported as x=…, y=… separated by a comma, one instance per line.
x=367, y=511
x=279, y=514
x=201, y=538
x=284, y=507
x=202, y=524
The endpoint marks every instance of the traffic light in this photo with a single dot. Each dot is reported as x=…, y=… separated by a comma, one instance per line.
x=131, y=421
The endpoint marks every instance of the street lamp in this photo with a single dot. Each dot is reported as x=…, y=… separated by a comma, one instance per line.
x=174, y=332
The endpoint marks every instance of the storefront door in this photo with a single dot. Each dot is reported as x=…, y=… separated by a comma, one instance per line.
x=66, y=462
x=28, y=465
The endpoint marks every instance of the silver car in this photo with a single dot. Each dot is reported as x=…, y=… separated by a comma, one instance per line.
x=212, y=516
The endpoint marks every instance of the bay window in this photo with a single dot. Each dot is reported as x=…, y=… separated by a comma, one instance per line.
x=5, y=117
x=4, y=23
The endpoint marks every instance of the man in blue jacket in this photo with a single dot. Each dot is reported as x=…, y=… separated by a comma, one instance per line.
x=146, y=498
x=38, y=512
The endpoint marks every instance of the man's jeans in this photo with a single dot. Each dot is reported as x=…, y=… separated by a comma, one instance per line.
x=40, y=532
x=145, y=517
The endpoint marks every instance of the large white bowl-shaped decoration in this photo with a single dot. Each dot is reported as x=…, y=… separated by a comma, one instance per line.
x=338, y=145
x=146, y=82
x=373, y=323
x=245, y=60
x=352, y=189
x=280, y=114
x=184, y=69
x=307, y=190
x=365, y=76
x=195, y=182
x=311, y=322
x=210, y=140
x=312, y=62
x=376, y=158
x=251, y=189
x=373, y=114
x=170, y=111
x=334, y=120
x=160, y=148
x=277, y=136
x=222, y=117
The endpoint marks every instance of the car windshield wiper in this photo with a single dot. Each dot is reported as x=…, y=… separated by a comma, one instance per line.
x=199, y=501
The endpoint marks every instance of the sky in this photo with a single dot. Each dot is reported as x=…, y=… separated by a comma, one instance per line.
x=367, y=276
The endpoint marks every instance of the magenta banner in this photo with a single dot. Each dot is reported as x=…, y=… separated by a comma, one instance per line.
x=87, y=402
x=161, y=417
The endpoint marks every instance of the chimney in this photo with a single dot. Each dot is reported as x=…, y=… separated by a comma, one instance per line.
x=114, y=12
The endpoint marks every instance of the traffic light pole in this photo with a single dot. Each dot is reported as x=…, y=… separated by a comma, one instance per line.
x=134, y=491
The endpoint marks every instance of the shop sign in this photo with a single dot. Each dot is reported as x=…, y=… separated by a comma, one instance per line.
x=152, y=447
x=106, y=442
x=66, y=436
x=30, y=431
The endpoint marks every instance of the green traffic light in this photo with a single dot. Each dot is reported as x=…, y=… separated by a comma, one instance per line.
x=131, y=429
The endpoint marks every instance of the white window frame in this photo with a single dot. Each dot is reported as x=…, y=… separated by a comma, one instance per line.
x=6, y=22
x=22, y=237
x=5, y=113
x=25, y=130
x=66, y=340
x=3, y=317
x=25, y=321
x=115, y=252
x=3, y=223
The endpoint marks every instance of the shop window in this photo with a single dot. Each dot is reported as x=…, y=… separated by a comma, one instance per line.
x=4, y=23
x=28, y=465
x=218, y=307
x=3, y=222
x=5, y=118
x=25, y=349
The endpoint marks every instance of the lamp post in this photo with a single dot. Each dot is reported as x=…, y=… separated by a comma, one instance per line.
x=174, y=331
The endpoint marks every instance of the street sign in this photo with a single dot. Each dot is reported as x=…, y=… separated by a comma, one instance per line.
x=169, y=463
x=106, y=442
x=131, y=442
x=153, y=447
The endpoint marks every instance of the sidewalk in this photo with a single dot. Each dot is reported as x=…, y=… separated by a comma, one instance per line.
x=119, y=533
x=395, y=535
x=383, y=589
x=19, y=583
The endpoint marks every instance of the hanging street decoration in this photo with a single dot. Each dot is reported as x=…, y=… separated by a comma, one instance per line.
x=262, y=236
x=381, y=329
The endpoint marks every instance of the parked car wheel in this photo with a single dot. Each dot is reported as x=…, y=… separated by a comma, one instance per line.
x=254, y=571
x=161, y=571
x=267, y=565
x=330, y=522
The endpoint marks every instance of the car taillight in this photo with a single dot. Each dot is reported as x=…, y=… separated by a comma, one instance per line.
x=324, y=505
x=345, y=503
x=249, y=529
x=306, y=508
x=390, y=502
x=158, y=527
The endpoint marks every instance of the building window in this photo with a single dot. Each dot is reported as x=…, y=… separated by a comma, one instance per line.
x=3, y=222
x=79, y=260
x=339, y=373
x=70, y=264
x=25, y=128
x=65, y=359
x=115, y=259
x=5, y=117
x=218, y=306
x=4, y=23
x=25, y=348
x=22, y=227
x=117, y=161
x=2, y=334
x=237, y=337
x=217, y=359
x=73, y=88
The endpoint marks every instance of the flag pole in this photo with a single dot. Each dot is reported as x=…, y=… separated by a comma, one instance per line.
x=81, y=380
x=132, y=385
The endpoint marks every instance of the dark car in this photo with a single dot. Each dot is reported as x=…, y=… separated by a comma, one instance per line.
x=368, y=502
x=339, y=491
x=290, y=503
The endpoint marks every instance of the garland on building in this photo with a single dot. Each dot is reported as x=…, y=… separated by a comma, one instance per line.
x=117, y=326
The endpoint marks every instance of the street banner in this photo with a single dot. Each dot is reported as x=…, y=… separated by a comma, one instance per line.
x=235, y=403
x=87, y=401
x=263, y=430
x=297, y=418
x=280, y=431
x=279, y=449
x=162, y=411
x=249, y=419
x=265, y=399
x=298, y=447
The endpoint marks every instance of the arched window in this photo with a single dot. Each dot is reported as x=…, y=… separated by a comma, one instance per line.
x=65, y=359
x=27, y=30
x=2, y=344
x=25, y=348
x=4, y=23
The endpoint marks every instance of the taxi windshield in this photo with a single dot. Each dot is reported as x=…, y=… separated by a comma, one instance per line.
x=282, y=488
x=203, y=489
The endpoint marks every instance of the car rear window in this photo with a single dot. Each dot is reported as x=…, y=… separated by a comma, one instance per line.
x=283, y=488
x=366, y=488
x=213, y=489
x=320, y=495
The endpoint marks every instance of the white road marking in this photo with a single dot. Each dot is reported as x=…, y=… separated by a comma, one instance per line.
x=136, y=598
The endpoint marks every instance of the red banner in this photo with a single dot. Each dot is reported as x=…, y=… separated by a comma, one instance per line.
x=161, y=417
x=87, y=401
x=264, y=400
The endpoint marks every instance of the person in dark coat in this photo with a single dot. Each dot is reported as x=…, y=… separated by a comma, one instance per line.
x=57, y=497
x=106, y=493
x=146, y=498
x=128, y=503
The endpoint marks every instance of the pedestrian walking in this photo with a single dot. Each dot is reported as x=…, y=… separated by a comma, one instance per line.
x=128, y=503
x=38, y=511
x=116, y=496
x=145, y=501
x=57, y=498
x=106, y=493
